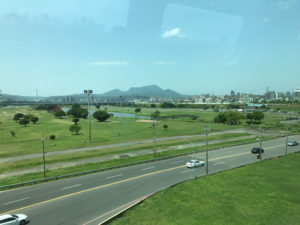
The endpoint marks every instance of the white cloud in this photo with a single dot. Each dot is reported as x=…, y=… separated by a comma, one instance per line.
x=285, y=4
x=176, y=32
x=109, y=63
x=165, y=62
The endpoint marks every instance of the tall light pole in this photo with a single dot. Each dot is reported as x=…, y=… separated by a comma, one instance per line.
x=206, y=130
x=44, y=161
x=88, y=92
x=154, y=139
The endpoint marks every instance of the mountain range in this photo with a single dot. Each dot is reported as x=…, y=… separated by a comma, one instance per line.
x=144, y=92
x=150, y=91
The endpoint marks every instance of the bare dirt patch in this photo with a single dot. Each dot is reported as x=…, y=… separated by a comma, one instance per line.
x=147, y=121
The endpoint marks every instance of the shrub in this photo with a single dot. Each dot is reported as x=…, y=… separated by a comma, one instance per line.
x=101, y=115
x=75, y=128
x=52, y=137
x=12, y=133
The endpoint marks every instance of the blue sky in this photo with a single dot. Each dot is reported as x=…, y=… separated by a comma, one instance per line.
x=63, y=47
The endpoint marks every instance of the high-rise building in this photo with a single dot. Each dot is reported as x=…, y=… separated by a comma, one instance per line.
x=297, y=93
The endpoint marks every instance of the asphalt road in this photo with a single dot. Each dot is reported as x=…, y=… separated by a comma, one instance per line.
x=93, y=198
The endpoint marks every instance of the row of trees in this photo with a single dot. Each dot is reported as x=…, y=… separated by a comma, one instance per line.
x=25, y=119
x=234, y=118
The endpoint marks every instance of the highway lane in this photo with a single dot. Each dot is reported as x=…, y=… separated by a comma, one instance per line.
x=82, y=199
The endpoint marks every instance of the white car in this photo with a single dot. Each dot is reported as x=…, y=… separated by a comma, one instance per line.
x=13, y=219
x=194, y=163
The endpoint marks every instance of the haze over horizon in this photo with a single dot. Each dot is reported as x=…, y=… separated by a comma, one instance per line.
x=193, y=48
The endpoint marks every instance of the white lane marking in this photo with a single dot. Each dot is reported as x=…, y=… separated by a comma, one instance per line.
x=186, y=171
x=219, y=163
x=114, y=176
x=71, y=186
x=176, y=162
x=19, y=200
x=149, y=168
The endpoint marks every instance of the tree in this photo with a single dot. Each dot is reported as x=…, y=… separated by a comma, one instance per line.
x=75, y=106
x=18, y=116
x=78, y=113
x=101, y=115
x=249, y=118
x=152, y=105
x=137, y=110
x=231, y=118
x=258, y=116
x=75, y=120
x=165, y=126
x=220, y=118
x=155, y=115
x=75, y=128
x=34, y=119
x=28, y=117
x=59, y=113
x=24, y=121
x=98, y=106
x=168, y=105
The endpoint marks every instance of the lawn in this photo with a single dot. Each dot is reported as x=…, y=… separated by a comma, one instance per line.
x=28, y=139
x=265, y=193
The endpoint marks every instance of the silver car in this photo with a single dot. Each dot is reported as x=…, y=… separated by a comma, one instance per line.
x=13, y=219
x=194, y=163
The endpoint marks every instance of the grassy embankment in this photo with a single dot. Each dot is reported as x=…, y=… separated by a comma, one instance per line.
x=27, y=140
x=260, y=193
x=92, y=166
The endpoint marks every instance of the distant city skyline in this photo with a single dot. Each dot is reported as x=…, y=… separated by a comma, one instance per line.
x=193, y=48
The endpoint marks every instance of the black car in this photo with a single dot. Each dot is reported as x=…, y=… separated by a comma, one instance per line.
x=257, y=150
x=293, y=143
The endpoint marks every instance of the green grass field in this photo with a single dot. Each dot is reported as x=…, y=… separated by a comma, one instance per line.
x=117, y=130
x=263, y=193
x=28, y=139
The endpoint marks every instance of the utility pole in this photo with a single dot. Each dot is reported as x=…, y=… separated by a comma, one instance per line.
x=287, y=137
x=206, y=130
x=120, y=109
x=88, y=92
x=154, y=140
x=194, y=161
x=44, y=161
x=260, y=144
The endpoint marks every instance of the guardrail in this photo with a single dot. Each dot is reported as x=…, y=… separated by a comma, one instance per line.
x=105, y=169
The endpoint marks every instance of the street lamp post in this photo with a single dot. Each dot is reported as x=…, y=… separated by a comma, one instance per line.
x=88, y=92
x=260, y=144
x=120, y=109
x=44, y=161
x=194, y=162
x=206, y=130
x=287, y=137
x=154, y=139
